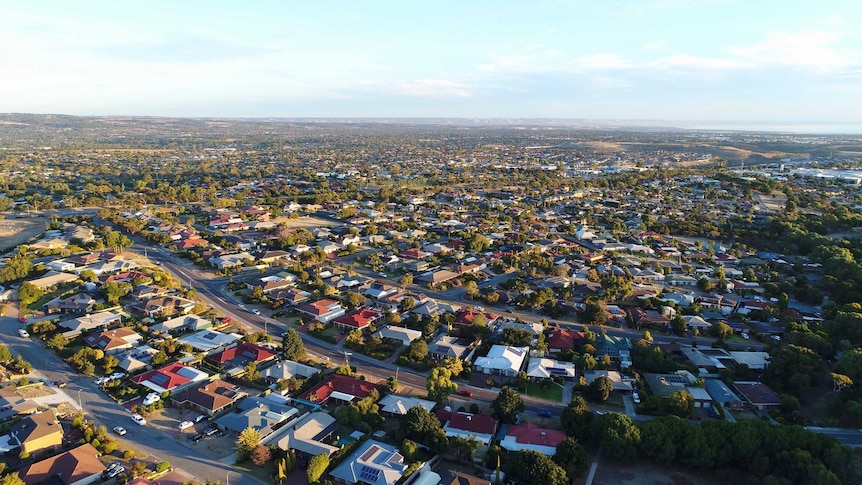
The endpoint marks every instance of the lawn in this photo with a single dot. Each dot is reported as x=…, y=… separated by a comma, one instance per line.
x=615, y=400
x=551, y=393
x=264, y=473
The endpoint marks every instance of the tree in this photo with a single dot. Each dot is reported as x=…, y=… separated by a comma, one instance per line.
x=29, y=293
x=416, y=351
x=5, y=354
x=600, y=389
x=471, y=290
x=419, y=423
x=571, y=456
x=678, y=325
x=680, y=403
x=440, y=384
x=251, y=372
x=260, y=455
x=839, y=382
x=577, y=419
x=720, y=330
x=58, y=341
x=620, y=436
x=595, y=313
x=292, y=347
x=407, y=303
x=406, y=280
x=114, y=291
x=248, y=439
x=11, y=479
x=354, y=299
x=507, y=405
x=316, y=466
x=536, y=468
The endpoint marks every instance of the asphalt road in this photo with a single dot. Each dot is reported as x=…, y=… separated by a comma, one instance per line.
x=105, y=411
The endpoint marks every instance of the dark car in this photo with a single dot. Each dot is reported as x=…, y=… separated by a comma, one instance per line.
x=210, y=431
x=544, y=413
x=60, y=383
x=199, y=418
x=197, y=437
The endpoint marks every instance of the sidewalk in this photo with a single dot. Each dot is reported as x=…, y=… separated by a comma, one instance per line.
x=568, y=389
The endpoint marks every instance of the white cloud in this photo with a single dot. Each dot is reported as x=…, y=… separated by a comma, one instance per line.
x=686, y=61
x=814, y=50
x=601, y=62
x=433, y=88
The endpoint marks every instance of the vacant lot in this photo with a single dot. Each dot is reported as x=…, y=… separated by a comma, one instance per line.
x=615, y=473
x=305, y=222
x=16, y=231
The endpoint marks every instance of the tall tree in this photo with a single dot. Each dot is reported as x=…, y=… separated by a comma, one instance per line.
x=440, y=385
x=292, y=347
x=507, y=404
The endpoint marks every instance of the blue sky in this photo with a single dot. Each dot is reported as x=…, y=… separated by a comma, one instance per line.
x=713, y=60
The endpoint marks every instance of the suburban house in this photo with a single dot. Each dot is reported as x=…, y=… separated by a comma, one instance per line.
x=52, y=279
x=395, y=405
x=503, y=360
x=170, y=377
x=34, y=433
x=114, y=341
x=288, y=369
x=137, y=358
x=373, y=463
x=402, y=335
x=757, y=394
x=322, y=310
x=233, y=359
x=76, y=326
x=468, y=426
x=78, y=466
x=207, y=340
x=617, y=348
x=75, y=304
x=180, y=324
x=164, y=306
x=290, y=296
x=12, y=404
x=663, y=385
x=453, y=477
x=145, y=292
x=270, y=284
x=540, y=369
x=339, y=388
x=309, y=435
x=359, y=319
x=615, y=377
x=261, y=414
x=531, y=437
x=560, y=340
x=722, y=394
x=211, y=398
x=444, y=346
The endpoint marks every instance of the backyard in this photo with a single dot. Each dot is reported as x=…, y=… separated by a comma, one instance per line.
x=552, y=392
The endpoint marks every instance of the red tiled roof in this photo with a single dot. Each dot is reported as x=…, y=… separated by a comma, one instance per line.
x=319, y=307
x=247, y=350
x=532, y=434
x=170, y=380
x=564, y=339
x=348, y=385
x=466, y=317
x=358, y=319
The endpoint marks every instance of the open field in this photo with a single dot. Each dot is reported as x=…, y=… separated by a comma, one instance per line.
x=305, y=222
x=17, y=231
x=612, y=472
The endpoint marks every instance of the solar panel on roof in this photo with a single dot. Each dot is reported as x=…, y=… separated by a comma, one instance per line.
x=368, y=474
x=370, y=452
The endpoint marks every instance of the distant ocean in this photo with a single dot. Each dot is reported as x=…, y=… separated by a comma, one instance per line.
x=825, y=129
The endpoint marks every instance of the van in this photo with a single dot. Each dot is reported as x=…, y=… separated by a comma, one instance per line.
x=636, y=398
x=186, y=425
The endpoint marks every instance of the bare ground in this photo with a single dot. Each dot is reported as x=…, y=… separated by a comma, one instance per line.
x=305, y=222
x=641, y=473
x=17, y=231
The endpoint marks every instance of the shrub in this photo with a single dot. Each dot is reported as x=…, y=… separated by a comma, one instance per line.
x=128, y=454
x=163, y=466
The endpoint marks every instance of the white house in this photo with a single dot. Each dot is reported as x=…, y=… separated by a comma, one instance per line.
x=503, y=360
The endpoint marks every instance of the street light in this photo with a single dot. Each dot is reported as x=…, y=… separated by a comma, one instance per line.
x=227, y=476
x=347, y=357
x=80, y=405
x=396, y=373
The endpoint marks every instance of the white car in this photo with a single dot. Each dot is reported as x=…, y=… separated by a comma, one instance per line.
x=139, y=419
x=152, y=398
x=636, y=398
x=23, y=333
x=255, y=311
x=117, y=375
x=102, y=380
x=114, y=471
x=120, y=430
x=186, y=425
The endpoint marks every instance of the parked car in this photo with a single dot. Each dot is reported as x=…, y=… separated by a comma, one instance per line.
x=117, y=375
x=152, y=398
x=111, y=466
x=116, y=471
x=199, y=418
x=23, y=333
x=120, y=430
x=197, y=437
x=60, y=384
x=102, y=380
x=543, y=413
x=22, y=319
x=255, y=311
x=465, y=392
x=186, y=425
x=210, y=431
x=139, y=419
x=636, y=398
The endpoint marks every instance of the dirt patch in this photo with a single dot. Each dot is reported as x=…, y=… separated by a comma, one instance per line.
x=18, y=231
x=34, y=391
x=612, y=472
x=168, y=420
x=305, y=222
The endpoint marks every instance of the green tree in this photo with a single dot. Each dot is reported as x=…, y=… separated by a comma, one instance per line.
x=440, y=385
x=11, y=479
x=572, y=457
x=406, y=280
x=248, y=439
x=114, y=291
x=5, y=354
x=292, y=347
x=600, y=389
x=595, y=313
x=419, y=423
x=29, y=293
x=619, y=436
x=416, y=351
x=577, y=419
x=720, y=330
x=536, y=468
x=680, y=403
x=507, y=404
x=316, y=466
x=678, y=325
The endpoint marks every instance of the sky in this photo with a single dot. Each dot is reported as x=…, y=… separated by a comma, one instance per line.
x=748, y=61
